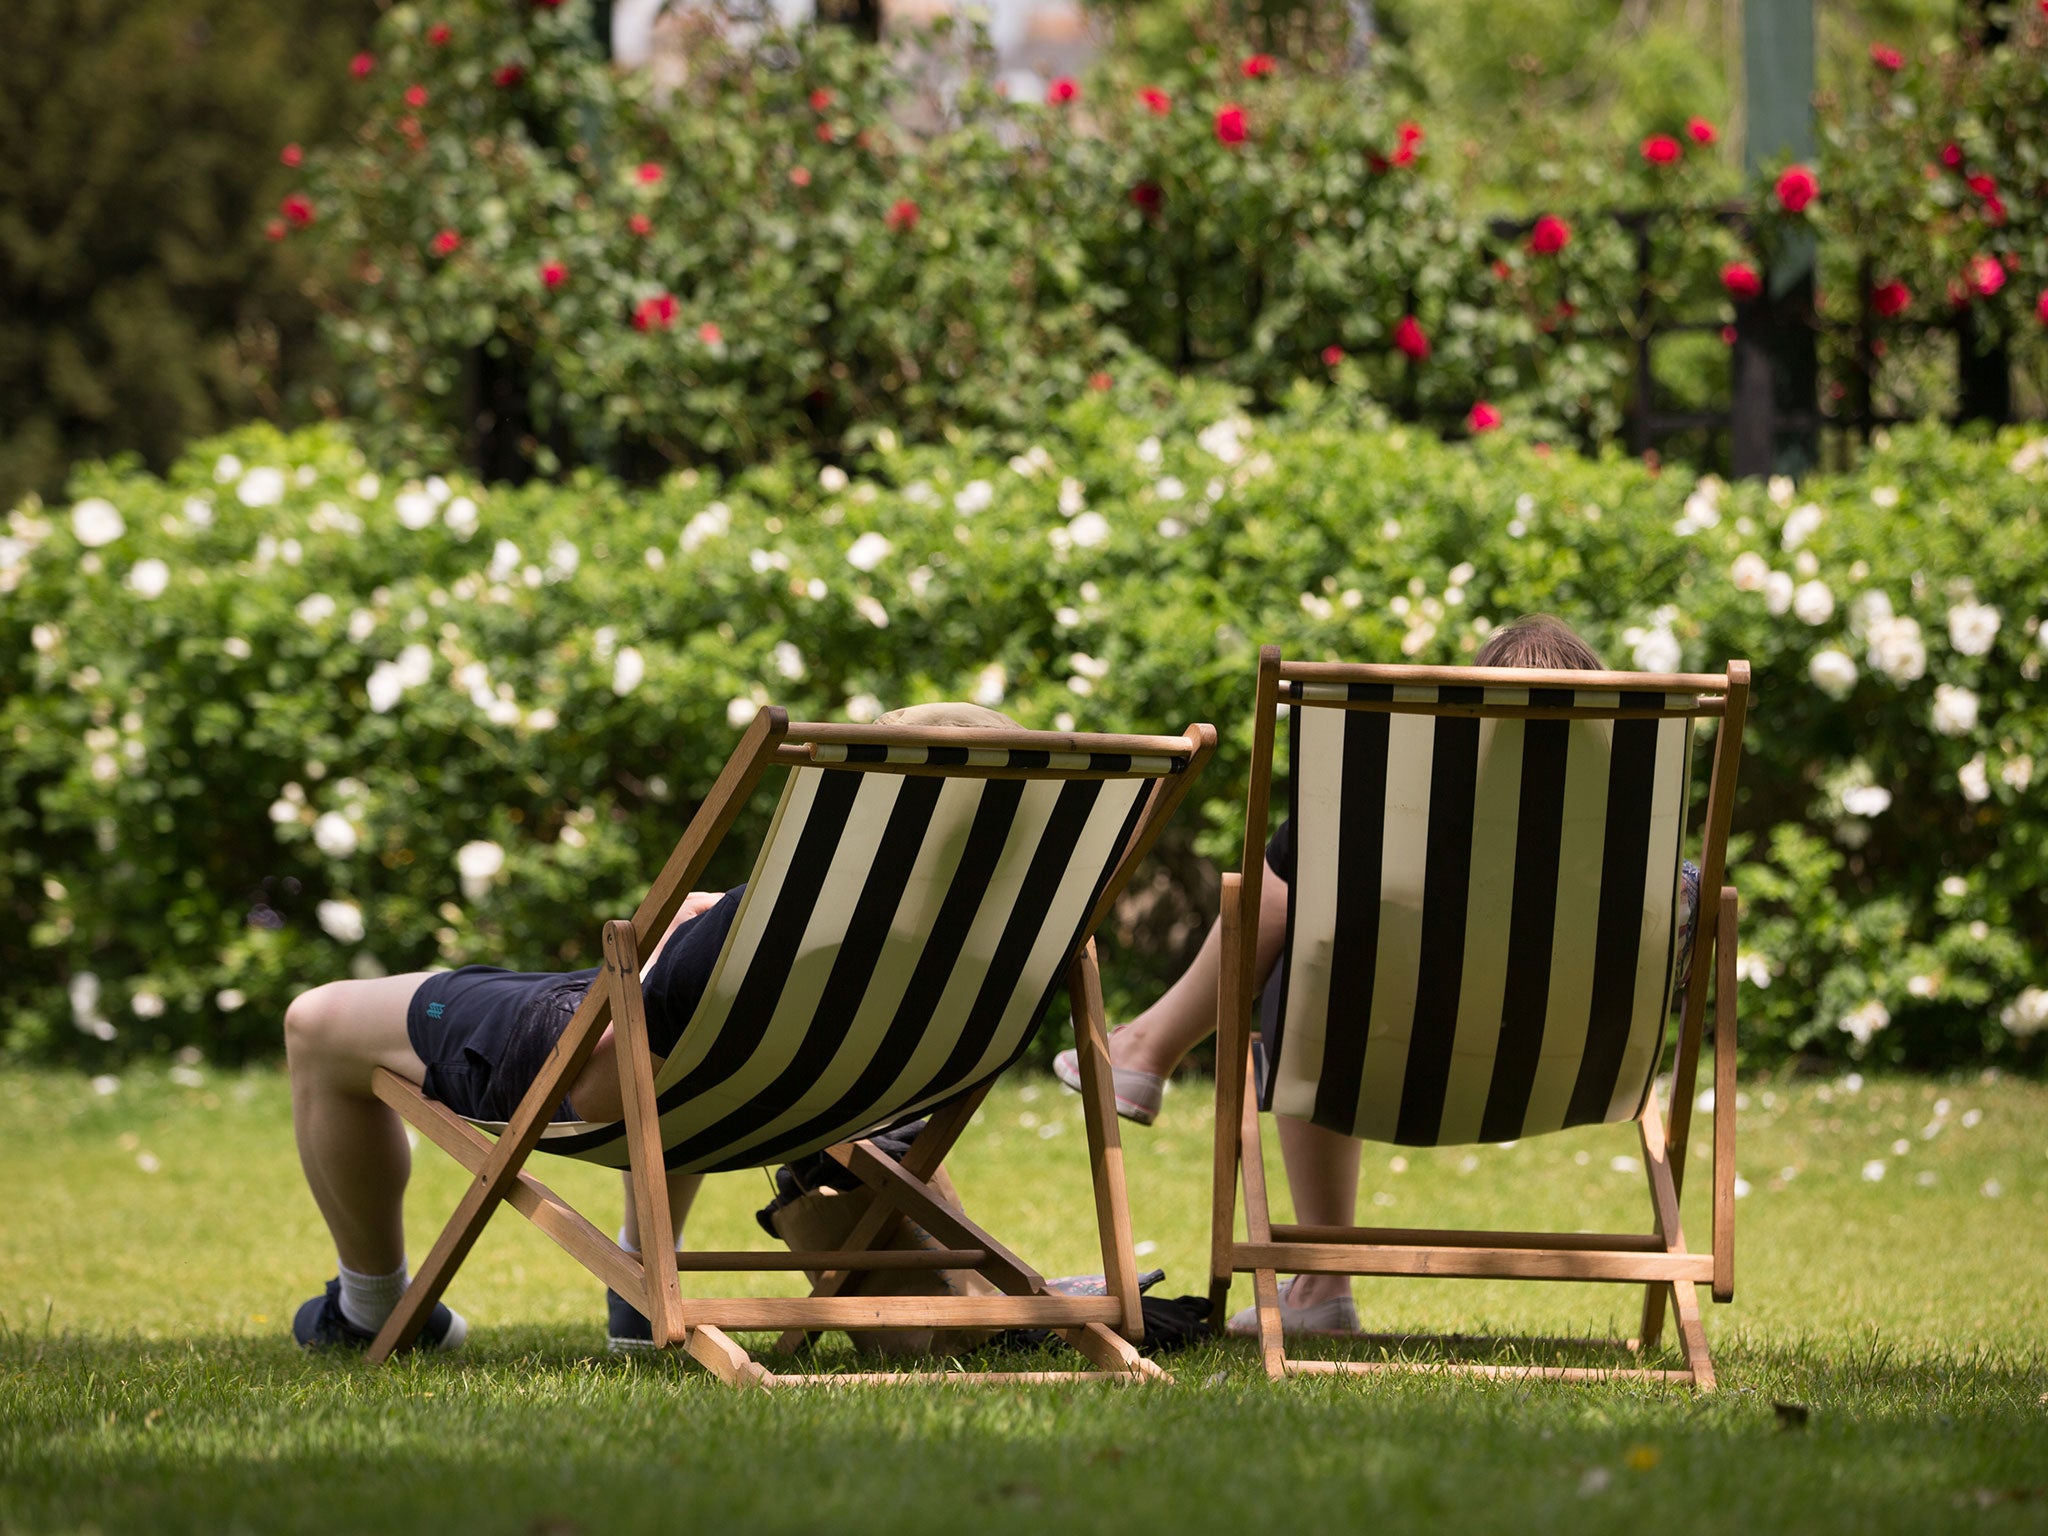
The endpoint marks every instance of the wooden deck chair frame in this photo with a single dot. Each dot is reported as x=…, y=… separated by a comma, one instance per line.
x=1658, y=1259
x=1102, y=1328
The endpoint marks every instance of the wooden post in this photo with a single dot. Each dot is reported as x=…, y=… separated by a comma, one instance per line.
x=1775, y=419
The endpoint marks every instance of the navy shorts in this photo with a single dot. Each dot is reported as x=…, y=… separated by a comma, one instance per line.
x=484, y=1033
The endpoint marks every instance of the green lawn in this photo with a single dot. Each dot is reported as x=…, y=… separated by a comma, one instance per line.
x=156, y=1237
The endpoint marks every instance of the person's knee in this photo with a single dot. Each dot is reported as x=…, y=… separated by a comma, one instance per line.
x=315, y=1026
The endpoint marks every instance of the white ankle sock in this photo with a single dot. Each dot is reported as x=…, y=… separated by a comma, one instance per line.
x=366, y=1300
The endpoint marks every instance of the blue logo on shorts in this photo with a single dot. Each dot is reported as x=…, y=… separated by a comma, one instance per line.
x=434, y=1010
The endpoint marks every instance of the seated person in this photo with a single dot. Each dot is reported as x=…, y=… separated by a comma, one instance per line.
x=1322, y=1165
x=474, y=1039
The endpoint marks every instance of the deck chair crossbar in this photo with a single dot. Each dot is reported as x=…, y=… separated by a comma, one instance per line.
x=920, y=895
x=1480, y=946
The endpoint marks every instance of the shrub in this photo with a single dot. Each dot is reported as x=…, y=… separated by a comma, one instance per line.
x=254, y=711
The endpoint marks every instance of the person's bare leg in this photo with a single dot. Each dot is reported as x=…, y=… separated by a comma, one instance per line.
x=352, y=1145
x=1157, y=1039
x=682, y=1193
x=1322, y=1176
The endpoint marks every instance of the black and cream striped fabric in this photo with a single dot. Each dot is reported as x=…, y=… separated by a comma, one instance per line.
x=900, y=937
x=1483, y=915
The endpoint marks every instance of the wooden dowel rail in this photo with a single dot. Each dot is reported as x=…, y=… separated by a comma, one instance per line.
x=1703, y=708
x=712, y=1260
x=1500, y=677
x=1429, y=1237
x=1631, y=1266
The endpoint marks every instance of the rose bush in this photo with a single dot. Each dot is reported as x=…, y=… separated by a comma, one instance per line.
x=280, y=717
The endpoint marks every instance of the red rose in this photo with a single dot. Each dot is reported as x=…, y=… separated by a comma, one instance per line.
x=1796, y=188
x=1888, y=59
x=1410, y=137
x=1148, y=196
x=1405, y=155
x=553, y=274
x=649, y=173
x=1481, y=418
x=1550, y=235
x=291, y=154
x=1741, y=280
x=1994, y=209
x=1157, y=102
x=1230, y=128
x=1061, y=91
x=1952, y=156
x=508, y=75
x=820, y=99
x=298, y=208
x=1982, y=183
x=1891, y=298
x=1700, y=131
x=361, y=65
x=1100, y=382
x=1502, y=270
x=824, y=133
x=2041, y=304
x=1727, y=335
x=657, y=313
x=447, y=243
x=1409, y=133
x=1332, y=355
x=415, y=96
x=640, y=224
x=903, y=216
x=1258, y=66
x=1986, y=275
x=710, y=334
x=1660, y=149
x=438, y=34
x=275, y=229
x=799, y=176
x=1410, y=338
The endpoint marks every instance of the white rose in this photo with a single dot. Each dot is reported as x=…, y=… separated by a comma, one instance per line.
x=869, y=551
x=505, y=558
x=334, y=835
x=1149, y=452
x=1220, y=439
x=1169, y=488
x=1886, y=496
x=97, y=522
x=1975, y=782
x=461, y=517
x=1780, y=489
x=1833, y=673
x=2017, y=773
x=2025, y=1014
x=343, y=921
x=1897, y=650
x=1657, y=651
x=415, y=665
x=315, y=608
x=1750, y=571
x=415, y=509
x=989, y=685
x=1862, y=1022
x=149, y=578
x=478, y=863
x=1813, y=603
x=863, y=707
x=1866, y=800
x=1089, y=530
x=871, y=610
x=711, y=523
x=789, y=661
x=198, y=511
x=385, y=688
x=228, y=999
x=740, y=712
x=262, y=486
x=1972, y=627
x=1955, y=710
x=1073, y=497
x=227, y=467
x=832, y=479
x=1800, y=525
x=628, y=667
x=975, y=496
x=147, y=1004
x=1778, y=589
x=563, y=559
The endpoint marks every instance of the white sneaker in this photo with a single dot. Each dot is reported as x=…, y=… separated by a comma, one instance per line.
x=1337, y=1315
x=1137, y=1093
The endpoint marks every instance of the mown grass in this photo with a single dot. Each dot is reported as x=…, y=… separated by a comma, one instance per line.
x=155, y=1239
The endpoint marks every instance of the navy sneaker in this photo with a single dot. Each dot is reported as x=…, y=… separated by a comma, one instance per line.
x=320, y=1324
x=626, y=1328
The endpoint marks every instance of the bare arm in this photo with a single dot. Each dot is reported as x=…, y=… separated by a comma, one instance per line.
x=596, y=1095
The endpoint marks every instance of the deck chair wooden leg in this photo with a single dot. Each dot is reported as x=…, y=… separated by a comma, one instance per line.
x=1231, y=1089
x=1105, y=1147
x=879, y=1222
x=1258, y=1225
x=662, y=1297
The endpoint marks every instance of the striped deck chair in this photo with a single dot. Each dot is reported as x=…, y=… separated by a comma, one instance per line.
x=920, y=895
x=1480, y=947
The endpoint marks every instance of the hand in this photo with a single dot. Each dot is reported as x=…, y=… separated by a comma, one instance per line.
x=697, y=903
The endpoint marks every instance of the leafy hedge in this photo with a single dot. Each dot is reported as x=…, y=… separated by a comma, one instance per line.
x=277, y=718
x=796, y=247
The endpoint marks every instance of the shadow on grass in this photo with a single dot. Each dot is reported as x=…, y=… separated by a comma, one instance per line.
x=530, y=1432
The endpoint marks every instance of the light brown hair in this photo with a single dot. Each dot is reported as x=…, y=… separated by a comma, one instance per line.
x=1538, y=640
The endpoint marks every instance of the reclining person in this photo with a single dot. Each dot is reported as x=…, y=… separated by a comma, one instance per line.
x=1322, y=1165
x=474, y=1039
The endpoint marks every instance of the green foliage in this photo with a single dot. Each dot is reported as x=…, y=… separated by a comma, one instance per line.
x=138, y=159
x=275, y=680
